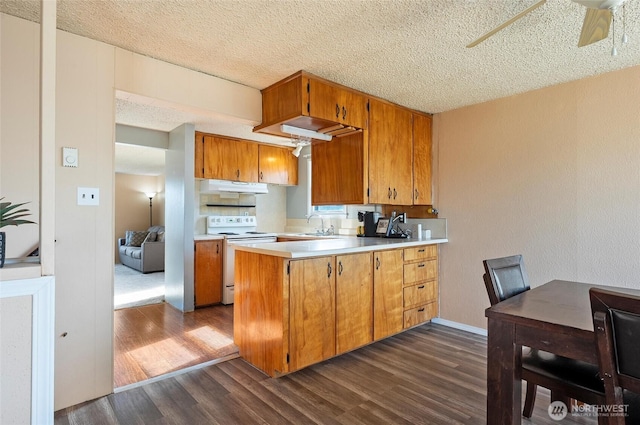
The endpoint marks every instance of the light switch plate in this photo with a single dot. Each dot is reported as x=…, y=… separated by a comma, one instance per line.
x=88, y=196
x=70, y=157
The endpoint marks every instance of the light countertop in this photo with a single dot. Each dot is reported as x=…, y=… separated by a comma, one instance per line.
x=337, y=246
x=207, y=237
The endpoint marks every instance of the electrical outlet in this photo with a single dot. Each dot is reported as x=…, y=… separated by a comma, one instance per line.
x=88, y=196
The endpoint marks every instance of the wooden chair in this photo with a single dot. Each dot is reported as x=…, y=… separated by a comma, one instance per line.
x=616, y=322
x=566, y=378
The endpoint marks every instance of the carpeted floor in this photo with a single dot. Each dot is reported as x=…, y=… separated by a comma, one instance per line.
x=132, y=288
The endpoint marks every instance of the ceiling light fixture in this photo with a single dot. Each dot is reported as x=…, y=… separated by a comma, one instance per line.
x=303, y=132
x=296, y=151
x=299, y=144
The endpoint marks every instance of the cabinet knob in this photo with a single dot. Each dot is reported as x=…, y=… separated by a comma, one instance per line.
x=421, y=309
x=421, y=265
x=344, y=113
x=377, y=263
x=340, y=268
x=394, y=193
x=417, y=194
x=329, y=270
x=238, y=173
x=421, y=287
x=389, y=193
x=337, y=111
x=261, y=176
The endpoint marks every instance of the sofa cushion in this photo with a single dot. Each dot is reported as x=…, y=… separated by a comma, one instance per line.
x=134, y=238
x=137, y=254
x=160, y=236
x=151, y=237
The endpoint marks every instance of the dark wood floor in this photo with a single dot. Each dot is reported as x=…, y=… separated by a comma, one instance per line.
x=428, y=375
x=157, y=339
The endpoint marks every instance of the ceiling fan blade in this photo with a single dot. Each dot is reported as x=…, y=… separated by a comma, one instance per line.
x=506, y=24
x=595, y=26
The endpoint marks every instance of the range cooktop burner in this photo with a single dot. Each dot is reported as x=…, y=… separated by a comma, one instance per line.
x=227, y=233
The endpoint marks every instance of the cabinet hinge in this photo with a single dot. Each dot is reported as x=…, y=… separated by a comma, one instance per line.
x=287, y=358
x=308, y=108
x=308, y=86
x=367, y=106
x=367, y=192
x=288, y=268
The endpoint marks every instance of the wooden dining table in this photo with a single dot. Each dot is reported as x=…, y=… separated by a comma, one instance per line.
x=554, y=317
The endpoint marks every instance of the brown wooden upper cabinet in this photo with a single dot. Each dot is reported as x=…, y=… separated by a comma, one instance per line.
x=338, y=171
x=306, y=101
x=387, y=162
x=226, y=158
x=277, y=165
x=390, y=154
x=422, y=159
x=230, y=159
x=335, y=103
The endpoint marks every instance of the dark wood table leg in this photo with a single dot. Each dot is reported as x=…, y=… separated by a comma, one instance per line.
x=504, y=384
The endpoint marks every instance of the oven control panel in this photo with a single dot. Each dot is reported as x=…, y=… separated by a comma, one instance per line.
x=231, y=221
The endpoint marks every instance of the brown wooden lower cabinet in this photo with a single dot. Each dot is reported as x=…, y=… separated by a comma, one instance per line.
x=387, y=293
x=291, y=313
x=207, y=277
x=312, y=319
x=354, y=306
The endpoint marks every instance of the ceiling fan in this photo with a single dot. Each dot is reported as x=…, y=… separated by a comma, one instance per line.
x=595, y=27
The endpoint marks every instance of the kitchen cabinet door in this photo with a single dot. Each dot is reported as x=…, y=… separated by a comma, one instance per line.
x=312, y=329
x=354, y=301
x=208, y=273
x=387, y=293
x=337, y=104
x=338, y=174
x=422, y=159
x=390, y=154
x=230, y=159
x=277, y=165
x=199, y=156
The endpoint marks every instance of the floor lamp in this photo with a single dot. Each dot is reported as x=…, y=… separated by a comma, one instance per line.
x=150, y=195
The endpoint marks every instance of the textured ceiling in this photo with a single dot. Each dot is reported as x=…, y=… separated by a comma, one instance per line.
x=411, y=52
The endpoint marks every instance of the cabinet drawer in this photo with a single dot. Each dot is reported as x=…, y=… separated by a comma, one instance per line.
x=420, y=271
x=421, y=314
x=420, y=294
x=421, y=252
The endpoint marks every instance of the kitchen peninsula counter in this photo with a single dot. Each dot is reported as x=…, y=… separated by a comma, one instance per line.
x=334, y=246
x=298, y=303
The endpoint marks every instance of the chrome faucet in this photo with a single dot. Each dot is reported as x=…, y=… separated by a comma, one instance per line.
x=321, y=221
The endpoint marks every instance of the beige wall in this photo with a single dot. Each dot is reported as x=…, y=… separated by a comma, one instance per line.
x=132, y=205
x=19, y=170
x=552, y=174
x=15, y=359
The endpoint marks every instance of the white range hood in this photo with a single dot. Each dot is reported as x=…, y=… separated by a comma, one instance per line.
x=226, y=186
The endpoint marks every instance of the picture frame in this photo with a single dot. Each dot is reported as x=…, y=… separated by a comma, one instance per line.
x=383, y=227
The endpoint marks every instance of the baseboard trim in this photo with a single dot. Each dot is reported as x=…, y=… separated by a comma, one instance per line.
x=461, y=326
x=175, y=373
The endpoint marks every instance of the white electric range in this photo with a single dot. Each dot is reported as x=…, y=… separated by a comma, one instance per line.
x=236, y=230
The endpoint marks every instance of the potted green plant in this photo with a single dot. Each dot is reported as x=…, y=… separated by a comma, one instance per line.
x=10, y=215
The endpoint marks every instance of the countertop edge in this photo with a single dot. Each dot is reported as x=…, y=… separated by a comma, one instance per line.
x=324, y=248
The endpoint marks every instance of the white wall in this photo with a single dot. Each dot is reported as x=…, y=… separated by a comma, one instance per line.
x=19, y=122
x=15, y=360
x=88, y=74
x=180, y=192
x=552, y=174
x=84, y=234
